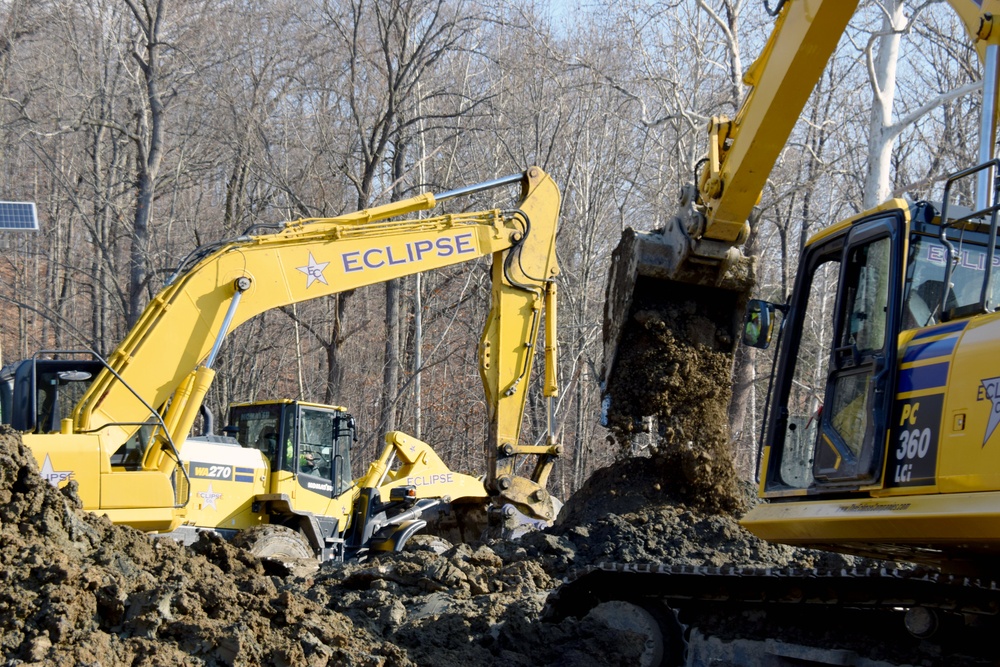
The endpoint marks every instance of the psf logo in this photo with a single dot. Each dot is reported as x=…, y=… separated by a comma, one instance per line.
x=53, y=476
x=209, y=497
x=989, y=390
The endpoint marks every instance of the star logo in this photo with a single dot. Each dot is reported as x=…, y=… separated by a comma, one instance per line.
x=53, y=476
x=989, y=390
x=210, y=497
x=314, y=271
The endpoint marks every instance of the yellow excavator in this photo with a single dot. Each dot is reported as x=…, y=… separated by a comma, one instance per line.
x=881, y=434
x=280, y=478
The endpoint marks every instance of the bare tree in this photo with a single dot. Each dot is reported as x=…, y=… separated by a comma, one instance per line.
x=882, y=72
x=148, y=137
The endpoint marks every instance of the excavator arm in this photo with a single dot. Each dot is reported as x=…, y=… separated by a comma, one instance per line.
x=167, y=358
x=742, y=151
x=880, y=328
x=700, y=245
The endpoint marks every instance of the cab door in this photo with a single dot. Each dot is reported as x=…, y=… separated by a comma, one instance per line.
x=862, y=365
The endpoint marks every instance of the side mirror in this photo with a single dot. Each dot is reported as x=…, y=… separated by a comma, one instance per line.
x=758, y=324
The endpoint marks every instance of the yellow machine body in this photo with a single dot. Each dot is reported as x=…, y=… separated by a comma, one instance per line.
x=926, y=389
x=126, y=443
x=882, y=435
x=845, y=493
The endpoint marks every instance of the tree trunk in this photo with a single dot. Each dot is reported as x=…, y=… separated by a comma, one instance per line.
x=333, y=393
x=881, y=132
x=149, y=144
x=390, y=373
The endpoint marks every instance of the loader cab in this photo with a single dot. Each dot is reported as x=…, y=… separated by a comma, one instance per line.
x=309, y=442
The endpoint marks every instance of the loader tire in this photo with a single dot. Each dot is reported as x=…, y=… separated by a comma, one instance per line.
x=274, y=542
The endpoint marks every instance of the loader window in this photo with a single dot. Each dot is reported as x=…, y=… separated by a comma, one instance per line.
x=325, y=445
x=316, y=443
x=258, y=427
x=344, y=435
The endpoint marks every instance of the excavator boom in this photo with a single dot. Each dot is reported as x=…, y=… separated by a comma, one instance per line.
x=700, y=244
x=143, y=401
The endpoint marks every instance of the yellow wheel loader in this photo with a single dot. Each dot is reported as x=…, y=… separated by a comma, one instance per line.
x=120, y=427
x=881, y=434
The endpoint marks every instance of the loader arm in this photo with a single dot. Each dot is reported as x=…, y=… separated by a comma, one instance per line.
x=166, y=358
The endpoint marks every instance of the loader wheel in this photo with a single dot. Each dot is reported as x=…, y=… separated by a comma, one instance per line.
x=274, y=542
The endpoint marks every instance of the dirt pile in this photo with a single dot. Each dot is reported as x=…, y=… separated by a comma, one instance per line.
x=626, y=513
x=674, y=363
x=77, y=590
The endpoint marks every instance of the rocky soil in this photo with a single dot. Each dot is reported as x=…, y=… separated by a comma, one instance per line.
x=75, y=589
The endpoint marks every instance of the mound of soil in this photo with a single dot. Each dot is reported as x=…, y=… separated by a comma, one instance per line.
x=76, y=589
x=626, y=513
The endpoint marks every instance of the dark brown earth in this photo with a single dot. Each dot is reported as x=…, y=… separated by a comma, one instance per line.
x=76, y=589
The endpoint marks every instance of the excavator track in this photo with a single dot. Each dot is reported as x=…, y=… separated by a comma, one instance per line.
x=792, y=616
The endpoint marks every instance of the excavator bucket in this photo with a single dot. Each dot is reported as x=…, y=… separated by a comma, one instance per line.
x=661, y=281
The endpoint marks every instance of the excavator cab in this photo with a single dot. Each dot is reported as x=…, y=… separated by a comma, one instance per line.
x=883, y=406
x=37, y=394
x=835, y=377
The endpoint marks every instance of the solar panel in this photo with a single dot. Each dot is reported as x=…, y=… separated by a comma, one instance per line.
x=18, y=215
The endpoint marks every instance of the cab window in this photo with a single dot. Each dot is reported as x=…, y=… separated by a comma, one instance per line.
x=316, y=443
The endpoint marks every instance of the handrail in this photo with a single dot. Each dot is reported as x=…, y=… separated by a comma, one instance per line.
x=990, y=166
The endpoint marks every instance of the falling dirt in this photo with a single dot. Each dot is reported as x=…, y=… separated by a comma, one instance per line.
x=674, y=364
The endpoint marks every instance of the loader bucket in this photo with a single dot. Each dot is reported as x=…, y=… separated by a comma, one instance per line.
x=656, y=283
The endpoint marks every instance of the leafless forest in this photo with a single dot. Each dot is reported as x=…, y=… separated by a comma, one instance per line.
x=144, y=128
